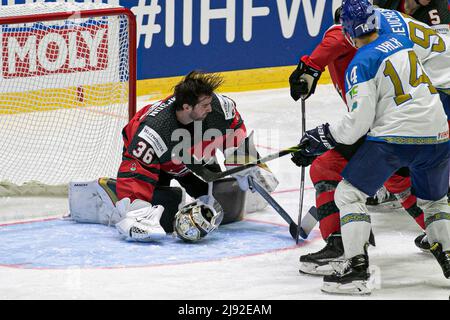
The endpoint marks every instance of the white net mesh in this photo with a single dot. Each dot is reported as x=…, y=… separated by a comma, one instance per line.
x=64, y=88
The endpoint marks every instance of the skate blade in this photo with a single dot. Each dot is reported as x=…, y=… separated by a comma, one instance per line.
x=358, y=288
x=315, y=269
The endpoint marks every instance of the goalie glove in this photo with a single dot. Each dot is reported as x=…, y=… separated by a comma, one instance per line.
x=305, y=71
x=141, y=222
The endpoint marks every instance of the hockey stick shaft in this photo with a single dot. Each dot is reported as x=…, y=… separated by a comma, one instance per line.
x=253, y=184
x=209, y=176
x=302, y=179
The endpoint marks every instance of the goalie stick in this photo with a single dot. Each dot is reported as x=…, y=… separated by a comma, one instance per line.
x=258, y=188
x=208, y=176
x=293, y=227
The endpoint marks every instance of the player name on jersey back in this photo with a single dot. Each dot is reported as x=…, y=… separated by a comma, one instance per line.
x=391, y=45
x=395, y=22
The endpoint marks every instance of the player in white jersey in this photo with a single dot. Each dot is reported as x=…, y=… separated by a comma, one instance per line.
x=432, y=48
x=390, y=95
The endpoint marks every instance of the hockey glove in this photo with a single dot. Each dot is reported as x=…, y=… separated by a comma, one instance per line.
x=309, y=74
x=317, y=141
x=301, y=160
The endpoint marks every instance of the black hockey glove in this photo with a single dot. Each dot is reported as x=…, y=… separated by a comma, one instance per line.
x=307, y=73
x=301, y=160
x=317, y=141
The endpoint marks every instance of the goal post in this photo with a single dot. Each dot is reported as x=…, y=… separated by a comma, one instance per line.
x=67, y=89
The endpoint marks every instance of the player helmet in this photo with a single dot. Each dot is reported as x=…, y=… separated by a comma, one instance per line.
x=197, y=219
x=358, y=17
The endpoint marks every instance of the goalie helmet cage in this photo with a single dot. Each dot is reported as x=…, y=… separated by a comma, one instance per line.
x=67, y=89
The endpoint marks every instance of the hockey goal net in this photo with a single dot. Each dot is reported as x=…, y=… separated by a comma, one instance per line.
x=67, y=88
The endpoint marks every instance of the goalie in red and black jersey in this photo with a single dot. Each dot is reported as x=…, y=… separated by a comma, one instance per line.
x=189, y=125
x=159, y=136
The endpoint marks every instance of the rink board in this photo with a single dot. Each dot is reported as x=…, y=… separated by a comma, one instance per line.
x=65, y=244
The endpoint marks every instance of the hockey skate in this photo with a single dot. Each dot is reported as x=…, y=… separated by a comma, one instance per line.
x=352, y=279
x=422, y=243
x=318, y=263
x=443, y=257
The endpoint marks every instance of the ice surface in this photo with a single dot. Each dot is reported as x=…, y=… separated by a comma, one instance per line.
x=401, y=270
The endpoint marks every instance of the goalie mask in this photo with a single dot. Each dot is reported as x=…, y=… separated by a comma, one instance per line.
x=195, y=220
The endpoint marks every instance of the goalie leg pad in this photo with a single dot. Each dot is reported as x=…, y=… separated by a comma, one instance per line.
x=266, y=178
x=93, y=202
x=254, y=202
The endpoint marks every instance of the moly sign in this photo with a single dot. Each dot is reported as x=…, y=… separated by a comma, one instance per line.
x=28, y=53
x=177, y=36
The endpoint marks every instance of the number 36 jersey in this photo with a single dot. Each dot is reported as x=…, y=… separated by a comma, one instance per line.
x=432, y=48
x=389, y=94
x=155, y=142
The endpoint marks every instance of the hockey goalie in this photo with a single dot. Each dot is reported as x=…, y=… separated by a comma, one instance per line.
x=161, y=137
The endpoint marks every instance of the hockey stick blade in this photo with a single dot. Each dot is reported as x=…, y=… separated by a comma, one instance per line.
x=293, y=230
x=208, y=176
x=308, y=223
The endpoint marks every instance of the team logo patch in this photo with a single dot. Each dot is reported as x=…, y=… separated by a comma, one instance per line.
x=155, y=140
x=353, y=92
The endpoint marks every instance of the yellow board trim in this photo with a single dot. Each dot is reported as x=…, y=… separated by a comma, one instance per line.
x=115, y=93
x=65, y=98
x=235, y=81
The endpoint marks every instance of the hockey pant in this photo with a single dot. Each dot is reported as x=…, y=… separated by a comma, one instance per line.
x=325, y=173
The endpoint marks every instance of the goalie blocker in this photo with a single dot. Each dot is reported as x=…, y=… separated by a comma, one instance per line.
x=95, y=202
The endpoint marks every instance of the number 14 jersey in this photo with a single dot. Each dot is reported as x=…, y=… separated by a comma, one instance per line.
x=389, y=94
